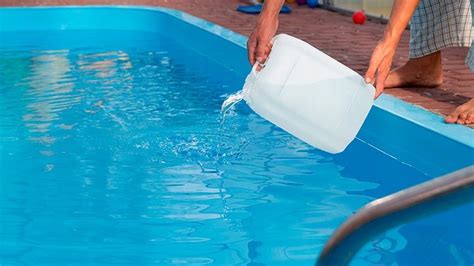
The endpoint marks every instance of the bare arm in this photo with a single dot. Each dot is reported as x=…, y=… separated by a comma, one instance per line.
x=258, y=45
x=382, y=57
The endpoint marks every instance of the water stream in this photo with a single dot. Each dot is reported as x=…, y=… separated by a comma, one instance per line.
x=230, y=102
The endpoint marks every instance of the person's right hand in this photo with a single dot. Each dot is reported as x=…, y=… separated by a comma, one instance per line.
x=259, y=43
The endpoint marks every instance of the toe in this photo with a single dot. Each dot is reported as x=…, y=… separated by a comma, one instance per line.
x=454, y=116
x=450, y=119
x=470, y=118
x=462, y=118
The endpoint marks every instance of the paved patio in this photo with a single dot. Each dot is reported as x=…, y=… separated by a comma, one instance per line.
x=331, y=32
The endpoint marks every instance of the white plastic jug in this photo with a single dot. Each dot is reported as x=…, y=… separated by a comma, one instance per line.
x=309, y=94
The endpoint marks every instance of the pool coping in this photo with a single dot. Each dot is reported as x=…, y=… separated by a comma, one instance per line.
x=391, y=104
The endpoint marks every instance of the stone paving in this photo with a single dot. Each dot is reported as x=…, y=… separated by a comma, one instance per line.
x=331, y=32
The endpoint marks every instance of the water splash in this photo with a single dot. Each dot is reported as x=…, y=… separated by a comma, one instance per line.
x=230, y=102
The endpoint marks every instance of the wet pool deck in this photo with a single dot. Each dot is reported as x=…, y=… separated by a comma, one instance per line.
x=331, y=32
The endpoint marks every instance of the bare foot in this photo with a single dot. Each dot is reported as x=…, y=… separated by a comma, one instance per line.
x=425, y=71
x=464, y=114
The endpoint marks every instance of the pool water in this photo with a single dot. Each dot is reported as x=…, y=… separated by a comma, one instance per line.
x=113, y=152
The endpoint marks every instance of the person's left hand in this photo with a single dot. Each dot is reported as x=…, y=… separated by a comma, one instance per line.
x=380, y=63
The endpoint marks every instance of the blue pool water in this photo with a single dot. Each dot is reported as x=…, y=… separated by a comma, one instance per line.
x=112, y=151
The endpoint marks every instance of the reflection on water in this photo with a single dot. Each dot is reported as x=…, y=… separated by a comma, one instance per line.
x=113, y=156
x=48, y=83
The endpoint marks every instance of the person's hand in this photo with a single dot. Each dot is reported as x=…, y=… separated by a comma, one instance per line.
x=259, y=43
x=380, y=63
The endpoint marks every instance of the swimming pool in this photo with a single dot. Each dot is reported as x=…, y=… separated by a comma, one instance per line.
x=113, y=152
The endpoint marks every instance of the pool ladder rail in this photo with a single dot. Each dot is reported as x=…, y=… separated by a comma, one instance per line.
x=422, y=200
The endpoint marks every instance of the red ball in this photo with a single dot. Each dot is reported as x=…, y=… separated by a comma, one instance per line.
x=359, y=17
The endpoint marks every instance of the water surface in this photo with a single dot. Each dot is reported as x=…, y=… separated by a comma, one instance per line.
x=112, y=151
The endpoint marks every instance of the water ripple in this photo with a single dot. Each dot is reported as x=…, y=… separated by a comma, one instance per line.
x=119, y=156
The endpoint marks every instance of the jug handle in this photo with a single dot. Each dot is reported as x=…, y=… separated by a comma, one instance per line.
x=254, y=68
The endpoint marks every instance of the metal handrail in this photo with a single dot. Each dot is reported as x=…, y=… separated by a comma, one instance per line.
x=436, y=195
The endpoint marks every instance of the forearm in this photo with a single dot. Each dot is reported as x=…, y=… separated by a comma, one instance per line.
x=259, y=43
x=271, y=9
x=402, y=11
